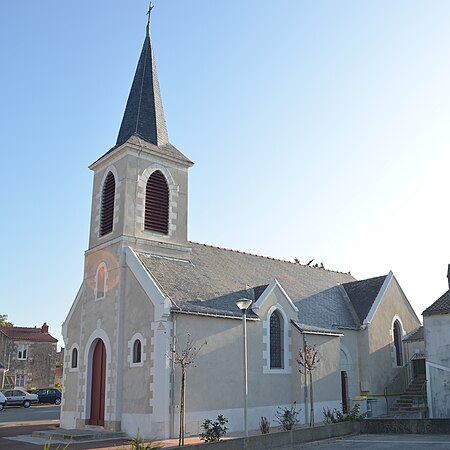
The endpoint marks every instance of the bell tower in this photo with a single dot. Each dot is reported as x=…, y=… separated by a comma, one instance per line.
x=141, y=185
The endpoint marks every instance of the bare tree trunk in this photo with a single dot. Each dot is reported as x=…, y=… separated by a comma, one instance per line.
x=182, y=403
x=311, y=399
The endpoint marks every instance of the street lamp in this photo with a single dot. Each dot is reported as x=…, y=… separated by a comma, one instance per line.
x=243, y=304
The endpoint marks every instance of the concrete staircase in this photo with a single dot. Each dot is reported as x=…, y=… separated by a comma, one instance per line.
x=412, y=400
x=58, y=435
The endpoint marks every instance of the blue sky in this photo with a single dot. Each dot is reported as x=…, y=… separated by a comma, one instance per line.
x=319, y=129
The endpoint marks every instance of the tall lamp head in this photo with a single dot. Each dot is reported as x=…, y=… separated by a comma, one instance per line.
x=243, y=304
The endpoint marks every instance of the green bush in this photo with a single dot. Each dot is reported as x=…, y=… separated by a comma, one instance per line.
x=214, y=430
x=336, y=416
x=287, y=417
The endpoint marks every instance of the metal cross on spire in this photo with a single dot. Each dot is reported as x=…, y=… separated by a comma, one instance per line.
x=149, y=12
x=150, y=7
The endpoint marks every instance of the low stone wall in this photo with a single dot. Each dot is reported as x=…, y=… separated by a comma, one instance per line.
x=281, y=438
x=406, y=426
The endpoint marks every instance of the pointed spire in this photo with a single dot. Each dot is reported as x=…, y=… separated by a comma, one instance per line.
x=144, y=115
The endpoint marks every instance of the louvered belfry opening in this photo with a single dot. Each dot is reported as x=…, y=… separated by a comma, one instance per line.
x=157, y=203
x=107, y=212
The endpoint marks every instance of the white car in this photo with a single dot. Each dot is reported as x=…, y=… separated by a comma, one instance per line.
x=2, y=401
x=19, y=397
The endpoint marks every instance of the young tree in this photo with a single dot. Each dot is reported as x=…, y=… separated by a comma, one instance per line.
x=4, y=321
x=184, y=356
x=308, y=360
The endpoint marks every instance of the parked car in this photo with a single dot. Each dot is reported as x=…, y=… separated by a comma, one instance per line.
x=48, y=395
x=19, y=397
x=2, y=401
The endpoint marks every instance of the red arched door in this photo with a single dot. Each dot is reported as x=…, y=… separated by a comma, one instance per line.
x=98, y=385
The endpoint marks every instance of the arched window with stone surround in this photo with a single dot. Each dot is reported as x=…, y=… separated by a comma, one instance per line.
x=137, y=351
x=276, y=341
x=100, y=281
x=157, y=203
x=74, y=358
x=397, y=332
x=107, y=205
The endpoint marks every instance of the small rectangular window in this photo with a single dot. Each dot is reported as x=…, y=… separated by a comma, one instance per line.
x=20, y=380
x=22, y=351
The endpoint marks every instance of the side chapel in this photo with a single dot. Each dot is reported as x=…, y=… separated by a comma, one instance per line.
x=146, y=285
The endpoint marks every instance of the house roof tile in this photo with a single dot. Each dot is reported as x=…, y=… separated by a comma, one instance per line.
x=27, y=334
x=440, y=306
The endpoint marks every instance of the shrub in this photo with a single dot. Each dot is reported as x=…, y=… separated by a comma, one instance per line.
x=214, y=430
x=264, y=425
x=329, y=416
x=336, y=416
x=139, y=444
x=48, y=446
x=287, y=417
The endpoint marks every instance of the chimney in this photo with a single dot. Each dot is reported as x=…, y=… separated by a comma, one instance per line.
x=448, y=276
x=44, y=327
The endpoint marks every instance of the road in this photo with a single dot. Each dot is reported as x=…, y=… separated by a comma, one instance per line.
x=31, y=414
x=18, y=421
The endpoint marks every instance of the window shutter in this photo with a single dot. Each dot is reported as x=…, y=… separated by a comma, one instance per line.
x=107, y=211
x=157, y=204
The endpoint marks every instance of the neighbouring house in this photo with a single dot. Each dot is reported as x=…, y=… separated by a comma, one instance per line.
x=59, y=368
x=436, y=325
x=147, y=287
x=27, y=357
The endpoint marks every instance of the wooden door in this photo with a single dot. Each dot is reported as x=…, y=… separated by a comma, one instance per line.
x=98, y=385
x=344, y=389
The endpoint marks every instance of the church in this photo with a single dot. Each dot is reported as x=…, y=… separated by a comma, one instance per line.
x=147, y=288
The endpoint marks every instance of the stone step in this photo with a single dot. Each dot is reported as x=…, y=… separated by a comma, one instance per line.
x=61, y=434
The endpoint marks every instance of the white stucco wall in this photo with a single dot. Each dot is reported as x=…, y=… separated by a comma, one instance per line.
x=437, y=351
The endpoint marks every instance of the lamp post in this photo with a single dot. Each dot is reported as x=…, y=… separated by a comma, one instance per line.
x=243, y=305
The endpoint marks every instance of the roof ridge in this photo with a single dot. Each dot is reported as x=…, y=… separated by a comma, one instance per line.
x=365, y=279
x=271, y=258
x=21, y=328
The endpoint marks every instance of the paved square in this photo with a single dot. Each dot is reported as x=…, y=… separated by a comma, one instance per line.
x=382, y=441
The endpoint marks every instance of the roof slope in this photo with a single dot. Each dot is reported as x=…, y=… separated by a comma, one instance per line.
x=363, y=293
x=329, y=309
x=144, y=114
x=27, y=334
x=213, y=272
x=440, y=306
x=416, y=335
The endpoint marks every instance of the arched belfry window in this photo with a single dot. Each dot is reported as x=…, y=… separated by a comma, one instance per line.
x=398, y=343
x=137, y=351
x=157, y=203
x=107, y=207
x=276, y=341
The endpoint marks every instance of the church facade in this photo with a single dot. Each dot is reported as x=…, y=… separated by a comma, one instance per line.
x=147, y=288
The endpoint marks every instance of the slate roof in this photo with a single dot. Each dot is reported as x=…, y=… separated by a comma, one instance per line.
x=363, y=293
x=440, y=306
x=144, y=114
x=214, y=278
x=416, y=335
x=27, y=334
x=329, y=309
